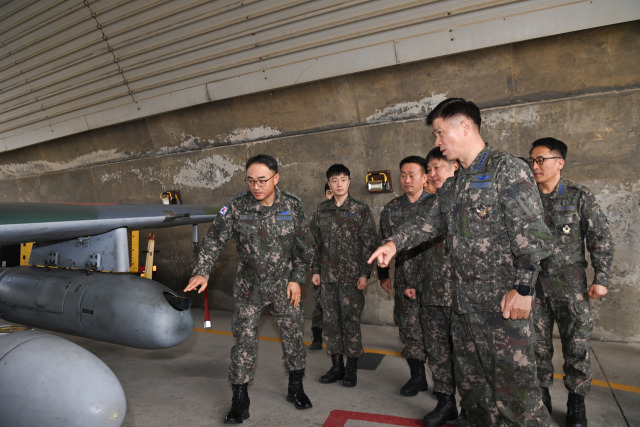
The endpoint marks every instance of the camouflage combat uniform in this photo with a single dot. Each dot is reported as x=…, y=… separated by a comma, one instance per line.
x=573, y=216
x=492, y=216
x=409, y=273
x=317, y=315
x=435, y=312
x=274, y=247
x=345, y=236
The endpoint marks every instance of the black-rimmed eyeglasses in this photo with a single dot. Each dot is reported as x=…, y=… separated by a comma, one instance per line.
x=258, y=182
x=540, y=160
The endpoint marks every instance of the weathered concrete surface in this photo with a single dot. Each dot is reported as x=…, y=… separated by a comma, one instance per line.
x=582, y=88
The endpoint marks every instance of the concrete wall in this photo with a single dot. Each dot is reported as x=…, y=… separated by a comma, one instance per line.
x=583, y=88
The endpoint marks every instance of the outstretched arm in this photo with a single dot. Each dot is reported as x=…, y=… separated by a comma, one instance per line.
x=384, y=254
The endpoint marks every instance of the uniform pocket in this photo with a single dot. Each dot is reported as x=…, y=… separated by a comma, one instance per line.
x=567, y=228
x=481, y=215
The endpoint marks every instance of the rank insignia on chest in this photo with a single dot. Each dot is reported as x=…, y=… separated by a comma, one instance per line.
x=566, y=229
x=482, y=211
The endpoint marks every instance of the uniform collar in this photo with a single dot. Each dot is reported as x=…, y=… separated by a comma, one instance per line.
x=479, y=162
x=404, y=200
x=345, y=205
x=560, y=190
x=256, y=206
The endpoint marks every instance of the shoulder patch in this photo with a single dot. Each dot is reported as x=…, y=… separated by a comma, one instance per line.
x=224, y=210
x=291, y=195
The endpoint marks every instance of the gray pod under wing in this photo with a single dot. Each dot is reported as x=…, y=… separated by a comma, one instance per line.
x=114, y=307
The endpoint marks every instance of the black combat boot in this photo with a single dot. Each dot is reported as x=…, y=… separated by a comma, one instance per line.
x=418, y=380
x=546, y=398
x=239, y=404
x=462, y=420
x=336, y=372
x=444, y=411
x=351, y=372
x=576, y=415
x=296, y=392
x=316, y=344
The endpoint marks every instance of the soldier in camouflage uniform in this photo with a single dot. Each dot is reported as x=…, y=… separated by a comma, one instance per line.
x=316, y=318
x=491, y=214
x=574, y=217
x=274, y=247
x=345, y=233
x=435, y=305
x=409, y=271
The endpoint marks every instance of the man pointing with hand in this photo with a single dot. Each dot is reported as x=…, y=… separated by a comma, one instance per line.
x=275, y=249
x=491, y=214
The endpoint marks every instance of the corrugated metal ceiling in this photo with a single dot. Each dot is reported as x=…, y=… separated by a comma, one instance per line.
x=67, y=66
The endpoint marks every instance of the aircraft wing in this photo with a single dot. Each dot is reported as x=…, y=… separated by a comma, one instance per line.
x=42, y=222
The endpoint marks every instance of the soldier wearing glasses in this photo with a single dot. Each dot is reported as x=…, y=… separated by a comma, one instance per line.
x=275, y=248
x=574, y=217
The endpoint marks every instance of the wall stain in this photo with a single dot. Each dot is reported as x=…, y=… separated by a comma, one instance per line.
x=38, y=167
x=407, y=110
x=210, y=172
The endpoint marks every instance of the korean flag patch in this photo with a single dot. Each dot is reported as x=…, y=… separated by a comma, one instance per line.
x=224, y=210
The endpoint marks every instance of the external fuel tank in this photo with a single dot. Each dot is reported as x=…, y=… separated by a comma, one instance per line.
x=115, y=307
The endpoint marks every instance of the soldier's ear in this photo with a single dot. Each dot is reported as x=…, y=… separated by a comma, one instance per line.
x=276, y=178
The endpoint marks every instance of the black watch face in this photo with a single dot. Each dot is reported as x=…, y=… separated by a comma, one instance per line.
x=524, y=290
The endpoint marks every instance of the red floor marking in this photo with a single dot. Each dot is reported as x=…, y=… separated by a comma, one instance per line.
x=338, y=418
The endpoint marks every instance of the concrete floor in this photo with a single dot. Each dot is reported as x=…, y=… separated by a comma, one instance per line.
x=187, y=385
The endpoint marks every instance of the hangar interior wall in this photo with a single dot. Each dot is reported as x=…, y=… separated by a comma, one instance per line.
x=582, y=88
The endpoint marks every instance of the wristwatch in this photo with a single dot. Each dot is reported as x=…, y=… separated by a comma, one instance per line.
x=524, y=290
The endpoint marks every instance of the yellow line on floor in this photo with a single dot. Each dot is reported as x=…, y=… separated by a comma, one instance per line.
x=599, y=383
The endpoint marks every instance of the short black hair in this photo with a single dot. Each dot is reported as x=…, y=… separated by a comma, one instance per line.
x=337, y=169
x=436, y=154
x=453, y=107
x=414, y=159
x=265, y=159
x=552, y=144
